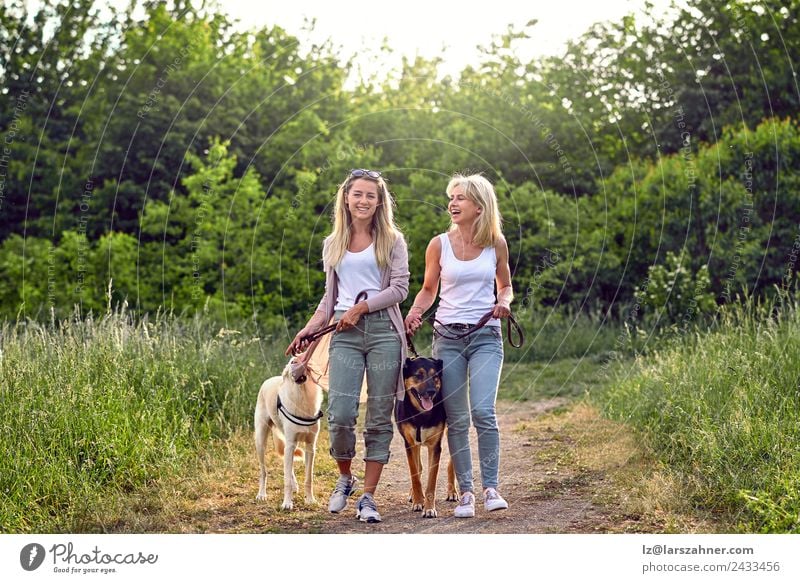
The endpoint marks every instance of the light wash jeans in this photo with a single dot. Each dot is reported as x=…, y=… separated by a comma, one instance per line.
x=372, y=345
x=470, y=377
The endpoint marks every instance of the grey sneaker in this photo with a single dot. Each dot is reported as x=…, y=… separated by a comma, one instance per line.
x=492, y=500
x=344, y=487
x=366, y=509
x=466, y=506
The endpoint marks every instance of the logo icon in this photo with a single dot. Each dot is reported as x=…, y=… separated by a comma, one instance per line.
x=31, y=556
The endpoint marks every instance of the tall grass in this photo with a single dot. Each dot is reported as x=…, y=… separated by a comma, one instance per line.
x=90, y=409
x=722, y=410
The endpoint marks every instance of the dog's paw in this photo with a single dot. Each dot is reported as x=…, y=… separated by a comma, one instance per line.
x=430, y=513
x=261, y=497
x=451, y=497
x=311, y=500
x=416, y=507
x=287, y=505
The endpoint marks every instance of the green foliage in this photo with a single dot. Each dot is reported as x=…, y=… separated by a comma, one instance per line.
x=675, y=294
x=195, y=165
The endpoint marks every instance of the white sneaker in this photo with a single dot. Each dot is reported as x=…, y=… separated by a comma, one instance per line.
x=492, y=500
x=366, y=509
x=466, y=506
x=345, y=486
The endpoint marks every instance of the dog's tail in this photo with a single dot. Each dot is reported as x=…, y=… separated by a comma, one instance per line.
x=280, y=447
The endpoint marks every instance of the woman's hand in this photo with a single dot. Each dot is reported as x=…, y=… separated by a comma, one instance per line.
x=352, y=316
x=299, y=344
x=413, y=320
x=501, y=311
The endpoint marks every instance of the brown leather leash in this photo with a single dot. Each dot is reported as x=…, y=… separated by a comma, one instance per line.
x=362, y=295
x=510, y=321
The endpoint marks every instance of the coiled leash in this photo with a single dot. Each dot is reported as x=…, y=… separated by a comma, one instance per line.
x=472, y=328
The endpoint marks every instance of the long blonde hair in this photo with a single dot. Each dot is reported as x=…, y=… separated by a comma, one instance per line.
x=487, y=228
x=384, y=231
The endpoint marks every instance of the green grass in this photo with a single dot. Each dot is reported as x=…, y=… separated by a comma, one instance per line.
x=568, y=378
x=721, y=410
x=93, y=410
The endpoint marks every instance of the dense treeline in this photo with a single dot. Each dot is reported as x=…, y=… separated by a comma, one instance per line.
x=163, y=154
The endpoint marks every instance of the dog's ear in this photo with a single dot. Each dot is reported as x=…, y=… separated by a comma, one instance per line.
x=407, y=366
x=438, y=365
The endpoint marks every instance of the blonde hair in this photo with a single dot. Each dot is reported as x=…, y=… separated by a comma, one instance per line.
x=487, y=227
x=384, y=231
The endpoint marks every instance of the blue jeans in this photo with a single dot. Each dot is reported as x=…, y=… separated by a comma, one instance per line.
x=373, y=345
x=470, y=377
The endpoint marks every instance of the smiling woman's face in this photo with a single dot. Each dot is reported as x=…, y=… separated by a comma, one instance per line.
x=462, y=210
x=362, y=199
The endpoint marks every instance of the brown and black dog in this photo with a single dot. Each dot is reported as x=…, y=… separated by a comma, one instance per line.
x=421, y=421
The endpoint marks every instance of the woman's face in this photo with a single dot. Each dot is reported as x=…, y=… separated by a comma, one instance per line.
x=462, y=210
x=362, y=199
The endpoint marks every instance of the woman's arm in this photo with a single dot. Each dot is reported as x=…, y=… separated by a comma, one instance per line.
x=430, y=286
x=505, y=293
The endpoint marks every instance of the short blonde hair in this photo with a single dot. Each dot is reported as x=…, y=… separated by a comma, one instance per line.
x=487, y=228
x=384, y=230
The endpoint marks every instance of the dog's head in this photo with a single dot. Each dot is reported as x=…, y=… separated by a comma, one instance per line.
x=423, y=381
x=296, y=370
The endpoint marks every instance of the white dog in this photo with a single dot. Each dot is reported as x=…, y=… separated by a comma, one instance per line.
x=289, y=406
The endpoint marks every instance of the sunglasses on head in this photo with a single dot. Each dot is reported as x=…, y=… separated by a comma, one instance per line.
x=364, y=172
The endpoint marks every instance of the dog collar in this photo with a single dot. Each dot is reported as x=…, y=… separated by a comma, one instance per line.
x=304, y=421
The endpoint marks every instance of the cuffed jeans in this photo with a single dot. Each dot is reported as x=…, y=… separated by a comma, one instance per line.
x=372, y=345
x=470, y=377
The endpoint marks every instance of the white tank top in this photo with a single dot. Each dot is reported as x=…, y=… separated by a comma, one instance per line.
x=467, y=291
x=357, y=272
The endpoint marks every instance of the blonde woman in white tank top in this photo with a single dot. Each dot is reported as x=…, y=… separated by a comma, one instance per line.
x=470, y=261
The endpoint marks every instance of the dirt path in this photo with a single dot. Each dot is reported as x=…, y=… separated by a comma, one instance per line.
x=541, y=499
x=563, y=469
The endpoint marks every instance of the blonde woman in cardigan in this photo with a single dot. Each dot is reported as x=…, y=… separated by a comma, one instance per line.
x=365, y=252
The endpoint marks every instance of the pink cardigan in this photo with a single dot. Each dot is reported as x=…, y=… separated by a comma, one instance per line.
x=394, y=289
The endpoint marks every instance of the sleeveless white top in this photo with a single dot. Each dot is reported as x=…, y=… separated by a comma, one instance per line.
x=357, y=272
x=467, y=287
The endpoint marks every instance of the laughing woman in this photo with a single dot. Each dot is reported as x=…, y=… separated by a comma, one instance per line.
x=469, y=260
x=365, y=252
